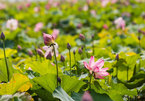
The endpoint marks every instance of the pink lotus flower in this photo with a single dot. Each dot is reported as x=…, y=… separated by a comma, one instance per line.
x=19, y=7
x=96, y=67
x=36, y=9
x=55, y=4
x=49, y=39
x=47, y=6
x=113, y=1
x=104, y=3
x=82, y=37
x=100, y=72
x=89, y=1
x=2, y=6
x=120, y=23
x=87, y=97
x=28, y=4
x=93, y=12
x=85, y=8
x=105, y=26
x=74, y=1
x=38, y=26
x=55, y=33
x=12, y=24
x=29, y=68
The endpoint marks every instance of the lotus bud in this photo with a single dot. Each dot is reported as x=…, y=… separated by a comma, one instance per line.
x=48, y=39
x=49, y=56
x=80, y=51
x=59, y=79
x=62, y=59
x=30, y=53
x=68, y=46
x=117, y=57
x=82, y=37
x=87, y=96
x=40, y=52
x=74, y=52
x=2, y=36
x=19, y=48
x=140, y=31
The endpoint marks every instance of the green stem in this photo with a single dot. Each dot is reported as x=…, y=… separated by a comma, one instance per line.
x=117, y=71
x=93, y=47
x=90, y=81
x=36, y=54
x=86, y=51
x=70, y=61
x=6, y=60
x=75, y=64
x=140, y=54
x=56, y=63
x=64, y=64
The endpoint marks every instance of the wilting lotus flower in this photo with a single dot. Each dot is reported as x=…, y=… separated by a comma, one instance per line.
x=96, y=67
x=12, y=24
x=120, y=23
x=49, y=49
x=87, y=97
x=38, y=26
x=104, y=2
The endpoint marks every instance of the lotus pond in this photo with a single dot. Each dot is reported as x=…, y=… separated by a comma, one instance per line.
x=72, y=50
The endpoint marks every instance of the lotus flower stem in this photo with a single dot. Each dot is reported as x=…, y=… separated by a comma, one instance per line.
x=6, y=60
x=117, y=71
x=40, y=59
x=36, y=54
x=140, y=54
x=90, y=81
x=75, y=64
x=56, y=63
x=93, y=47
x=70, y=61
x=86, y=51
